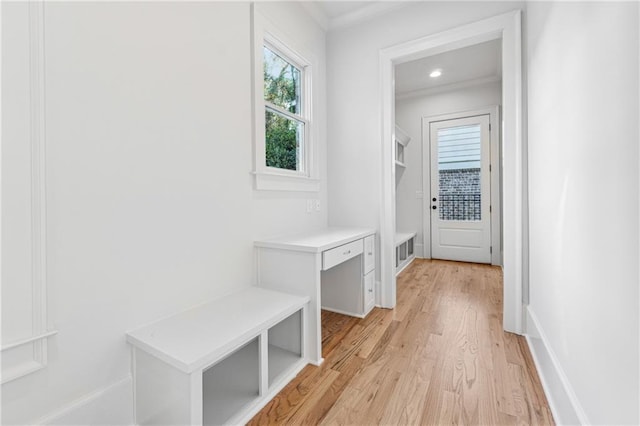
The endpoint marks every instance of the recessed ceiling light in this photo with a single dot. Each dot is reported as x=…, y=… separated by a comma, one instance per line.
x=435, y=73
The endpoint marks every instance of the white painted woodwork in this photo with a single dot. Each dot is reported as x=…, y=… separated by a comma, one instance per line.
x=564, y=404
x=25, y=328
x=469, y=240
x=405, y=250
x=402, y=139
x=316, y=241
x=336, y=256
x=294, y=264
x=342, y=288
x=306, y=178
x=109, y=405
x=191, y=339
x=369, y=290
x=219, y=362
x=369, y=253
x=401, y=136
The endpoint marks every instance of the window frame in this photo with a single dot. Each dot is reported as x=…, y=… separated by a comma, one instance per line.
x=272, y=178
x=301, y=157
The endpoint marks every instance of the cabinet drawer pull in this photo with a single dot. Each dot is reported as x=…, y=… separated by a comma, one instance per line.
x=347, y=252
x=370, y=290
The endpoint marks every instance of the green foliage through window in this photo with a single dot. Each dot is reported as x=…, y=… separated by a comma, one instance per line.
x=283, y=134
x=281, y=145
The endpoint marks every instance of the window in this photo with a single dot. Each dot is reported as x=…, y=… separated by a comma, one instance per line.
x=284, y=134
x=285, y=123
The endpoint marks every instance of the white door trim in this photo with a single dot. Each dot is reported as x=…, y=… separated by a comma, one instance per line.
x=494, y=114
x=508, y=28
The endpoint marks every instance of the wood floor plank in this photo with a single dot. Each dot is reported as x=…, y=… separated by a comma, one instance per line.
x=327, y=399
x=440, y=357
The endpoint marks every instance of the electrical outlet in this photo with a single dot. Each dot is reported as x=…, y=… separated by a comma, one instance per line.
x=317, y=205
x=309, y=206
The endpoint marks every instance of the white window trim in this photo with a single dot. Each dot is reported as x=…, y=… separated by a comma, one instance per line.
x=271, y=178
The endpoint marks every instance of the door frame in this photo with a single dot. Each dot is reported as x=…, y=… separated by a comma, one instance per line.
x=508, y=28
x=496, y=166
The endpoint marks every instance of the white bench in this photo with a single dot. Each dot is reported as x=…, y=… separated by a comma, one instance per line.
x=218, y=363
x=405, y=250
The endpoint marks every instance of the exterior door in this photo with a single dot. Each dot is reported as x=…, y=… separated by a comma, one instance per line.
x=461, y=189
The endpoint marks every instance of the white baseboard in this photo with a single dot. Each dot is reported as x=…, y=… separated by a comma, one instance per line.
x=112, y=405
x=419, y=249
x=564, y=403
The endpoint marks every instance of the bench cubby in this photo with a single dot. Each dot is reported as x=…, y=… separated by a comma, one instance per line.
x=405, y=251
x=218, y=363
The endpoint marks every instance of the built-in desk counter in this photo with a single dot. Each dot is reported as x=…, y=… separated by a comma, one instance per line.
x=334, y=267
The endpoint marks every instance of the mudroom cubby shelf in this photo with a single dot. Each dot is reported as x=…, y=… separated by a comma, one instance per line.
x=402, y=140
x=405, y=250
x=218, y=363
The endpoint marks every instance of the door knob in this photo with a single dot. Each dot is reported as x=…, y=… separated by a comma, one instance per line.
x=433, y=199
x=434, y=207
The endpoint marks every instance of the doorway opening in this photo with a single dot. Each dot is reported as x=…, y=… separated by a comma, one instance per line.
x=461, y=182
x=506, y=29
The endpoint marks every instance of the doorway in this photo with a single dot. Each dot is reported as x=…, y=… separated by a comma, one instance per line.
x=459, y=216
x=507, y=28
x=461, y=181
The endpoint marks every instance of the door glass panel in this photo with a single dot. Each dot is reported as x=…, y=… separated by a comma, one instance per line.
x=459, y=173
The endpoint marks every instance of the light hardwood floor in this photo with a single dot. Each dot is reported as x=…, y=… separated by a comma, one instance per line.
x=440, y=357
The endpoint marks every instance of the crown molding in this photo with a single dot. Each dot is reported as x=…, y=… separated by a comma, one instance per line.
x=476, y=82
x=365, y=13
x=316, y=13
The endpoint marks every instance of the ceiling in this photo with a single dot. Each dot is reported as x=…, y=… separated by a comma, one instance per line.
x=333, y=14
x=335, y=9
x=477, y=63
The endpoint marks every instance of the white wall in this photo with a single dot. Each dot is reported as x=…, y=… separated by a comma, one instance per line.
x=409, y=114
x=353, y=93
x=16, y=174
x=583, y=195
x=150, y=201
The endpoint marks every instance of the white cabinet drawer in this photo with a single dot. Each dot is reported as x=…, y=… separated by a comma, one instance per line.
x=369, y=293
x=336, y=256
x=369, y=253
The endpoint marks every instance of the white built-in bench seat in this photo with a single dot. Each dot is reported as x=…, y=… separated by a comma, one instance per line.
x=405, y=250
x=219, y=362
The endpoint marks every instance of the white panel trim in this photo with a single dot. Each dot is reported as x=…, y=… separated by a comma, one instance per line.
x=40, y=329
x=507, y=27
x=554, y=374
x=28, y=340
x=112, y=404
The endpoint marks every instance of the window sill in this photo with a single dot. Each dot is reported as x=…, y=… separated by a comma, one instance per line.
x=281, y=182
